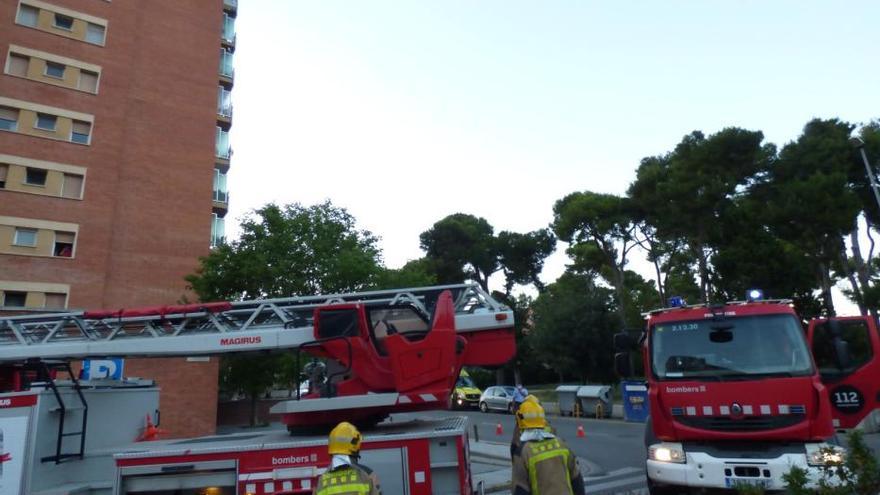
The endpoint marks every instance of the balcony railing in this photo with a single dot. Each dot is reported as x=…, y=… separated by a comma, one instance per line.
x=228, y=29
x=223, y=149
x=224, y=102
x=218, y=230
x=221, y=196
x=226, y=68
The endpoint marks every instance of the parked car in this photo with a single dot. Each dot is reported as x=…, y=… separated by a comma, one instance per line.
x=498, y=398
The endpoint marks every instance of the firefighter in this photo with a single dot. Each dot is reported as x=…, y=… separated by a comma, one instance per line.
x=543, y=465
x=345, y=476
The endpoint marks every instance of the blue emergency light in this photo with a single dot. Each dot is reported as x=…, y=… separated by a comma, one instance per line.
x=753, y=295
x=677, y=302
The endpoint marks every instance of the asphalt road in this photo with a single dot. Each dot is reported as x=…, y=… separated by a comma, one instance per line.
x=613, y=449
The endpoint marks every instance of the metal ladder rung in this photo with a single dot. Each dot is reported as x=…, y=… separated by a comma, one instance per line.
x=72, y=434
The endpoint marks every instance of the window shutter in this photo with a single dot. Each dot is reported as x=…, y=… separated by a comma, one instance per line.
x=88, y=81
x=18, y=64
x=73, y=185
x=81, y=127
x=9, y=113
x=56, y=300
x=67, y=237
x=4, y=168
x=28, y=15
x=95, y=33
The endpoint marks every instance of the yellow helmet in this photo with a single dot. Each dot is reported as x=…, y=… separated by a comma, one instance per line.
x=532, y=398
x=530, y=415
x=344, y=439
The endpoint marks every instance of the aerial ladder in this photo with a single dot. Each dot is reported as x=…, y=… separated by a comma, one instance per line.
x=372, y=353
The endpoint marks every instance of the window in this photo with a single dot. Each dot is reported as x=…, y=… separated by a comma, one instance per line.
x=88, y=81
x=27, y=15
x=55, y=300
x=8, y=118
x=4, y=169
x=858, y=342
x=46, y=122
x=14, y=299
x=226, y=63
x=25, y=237
x=224, y=102
x=72, y=186
x=17, y=65
x=95, y=33
x=55, y=70
x=63, y=22
x=218, y=230
x=63, y=244
x=35, y=176
x=80, y=132
x=228, y=28
x=337, y=323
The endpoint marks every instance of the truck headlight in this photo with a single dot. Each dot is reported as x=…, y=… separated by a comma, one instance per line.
x=824, y=454
x=667, y=452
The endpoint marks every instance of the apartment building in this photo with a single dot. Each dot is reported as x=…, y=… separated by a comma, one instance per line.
x=114, y=149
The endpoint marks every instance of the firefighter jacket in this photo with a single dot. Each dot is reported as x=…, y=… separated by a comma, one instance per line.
x=348, y=479
x=546, y=467
x=515, y=441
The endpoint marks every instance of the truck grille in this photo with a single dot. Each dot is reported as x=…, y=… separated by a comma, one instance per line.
x=749, y=423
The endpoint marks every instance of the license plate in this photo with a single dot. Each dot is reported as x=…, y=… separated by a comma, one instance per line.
x=733, y=482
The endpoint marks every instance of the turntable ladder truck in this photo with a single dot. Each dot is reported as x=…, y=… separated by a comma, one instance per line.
x=380, y=352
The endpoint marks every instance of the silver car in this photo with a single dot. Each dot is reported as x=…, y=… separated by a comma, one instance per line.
x=498, y=398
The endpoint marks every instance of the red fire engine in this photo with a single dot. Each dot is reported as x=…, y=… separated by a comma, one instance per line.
x=847, y=353
x=372, y=353
x=734, y=396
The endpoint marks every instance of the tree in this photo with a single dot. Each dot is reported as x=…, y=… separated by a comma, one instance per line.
x=599, y=229
x=461, y=246
x=521, y=257
x=285, y=251
x=574, y=323
x=416, y=273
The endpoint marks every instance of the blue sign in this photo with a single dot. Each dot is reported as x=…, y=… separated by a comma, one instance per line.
x=103, y=369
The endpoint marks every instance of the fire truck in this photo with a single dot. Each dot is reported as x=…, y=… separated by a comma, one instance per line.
x=734, y=396
x=847, y=353
x=369, y=354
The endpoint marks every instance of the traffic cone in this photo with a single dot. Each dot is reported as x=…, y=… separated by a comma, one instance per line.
x=499, y=430
x=151, y=431
x=580, y=432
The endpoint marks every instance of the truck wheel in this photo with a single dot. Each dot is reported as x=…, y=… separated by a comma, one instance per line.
x=484, y=407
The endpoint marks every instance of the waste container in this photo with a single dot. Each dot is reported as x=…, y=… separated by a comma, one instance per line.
x=635, y=401
x=566, y=395
x=595, y=400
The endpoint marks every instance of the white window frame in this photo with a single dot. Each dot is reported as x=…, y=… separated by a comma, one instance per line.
x=63, y=70
x=16, y=241
x=55, y=21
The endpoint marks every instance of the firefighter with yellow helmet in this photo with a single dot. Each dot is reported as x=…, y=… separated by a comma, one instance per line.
x=543, y=464
x=345, y=476
x=514, y=441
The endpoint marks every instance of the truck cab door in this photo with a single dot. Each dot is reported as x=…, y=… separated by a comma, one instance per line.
x=847, y=352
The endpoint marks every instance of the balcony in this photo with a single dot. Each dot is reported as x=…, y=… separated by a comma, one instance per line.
x=223, y=151
x=227, y=72
x=221, y=194
x=224, y=107
x=230, y=6
x=227, y=38
x=218, y=230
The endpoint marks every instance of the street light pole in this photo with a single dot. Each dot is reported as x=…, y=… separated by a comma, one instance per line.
x=858, y=143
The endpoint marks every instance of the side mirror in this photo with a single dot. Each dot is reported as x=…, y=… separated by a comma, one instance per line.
x=623, y=365
x=623, y=342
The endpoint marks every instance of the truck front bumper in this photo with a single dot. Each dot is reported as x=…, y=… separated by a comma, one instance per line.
x=706, y=471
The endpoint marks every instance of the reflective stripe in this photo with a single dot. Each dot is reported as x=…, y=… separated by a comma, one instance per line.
x=347, y=488
x=547, y=449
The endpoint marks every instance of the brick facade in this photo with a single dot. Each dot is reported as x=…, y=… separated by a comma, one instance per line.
x=145, y=215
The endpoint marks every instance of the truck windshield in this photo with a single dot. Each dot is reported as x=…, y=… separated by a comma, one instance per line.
x=465, y=381
x=735, y=347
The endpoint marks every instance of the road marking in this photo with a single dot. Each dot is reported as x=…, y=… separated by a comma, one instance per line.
x=632, y=484
x=618, y=472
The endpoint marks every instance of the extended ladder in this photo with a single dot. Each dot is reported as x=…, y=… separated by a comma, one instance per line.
x=212, y=328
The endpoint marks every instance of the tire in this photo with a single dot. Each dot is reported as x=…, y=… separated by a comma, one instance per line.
x=483, y=407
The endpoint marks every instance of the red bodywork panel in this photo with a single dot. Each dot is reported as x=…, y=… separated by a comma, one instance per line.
x=422, y=369
x=853, y=394
x=690, y=410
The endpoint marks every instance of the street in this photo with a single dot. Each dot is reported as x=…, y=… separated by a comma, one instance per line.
x=611, y=452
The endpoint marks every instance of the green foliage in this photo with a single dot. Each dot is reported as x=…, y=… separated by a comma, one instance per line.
x=574, y=322
x=461, y=246
x=522, y=256
x=290, y=250
x=416, y=273
x=286, y=251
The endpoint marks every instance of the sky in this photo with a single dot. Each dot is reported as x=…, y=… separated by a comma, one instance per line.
x=406, y=112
